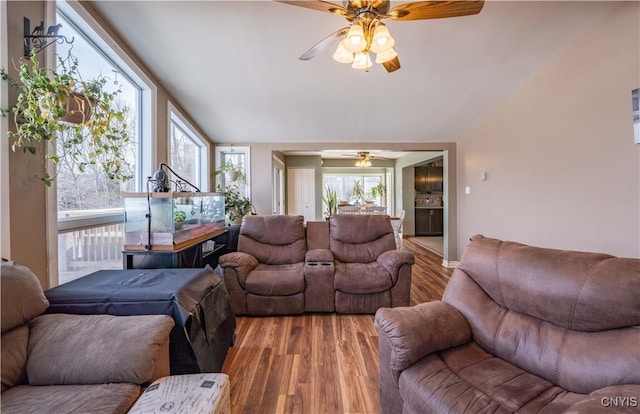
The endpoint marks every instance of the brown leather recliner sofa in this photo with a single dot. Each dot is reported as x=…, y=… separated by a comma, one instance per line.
x=519, y=329
x=349, y=264
x=59, y=363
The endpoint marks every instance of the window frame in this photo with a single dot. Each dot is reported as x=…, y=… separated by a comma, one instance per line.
x=204, y=146
x=104, y=44
x=381, y=173
x=220, y=153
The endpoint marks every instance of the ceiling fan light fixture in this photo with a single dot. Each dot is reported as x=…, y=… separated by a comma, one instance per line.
x=386, y=56
x=362, y=61
x=382, y=40
x=342, y=55
x=355, y=41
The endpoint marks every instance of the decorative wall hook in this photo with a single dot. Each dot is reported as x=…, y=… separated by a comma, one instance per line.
x=39, y=39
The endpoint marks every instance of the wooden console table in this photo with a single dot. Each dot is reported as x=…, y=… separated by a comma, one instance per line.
x=188, y=255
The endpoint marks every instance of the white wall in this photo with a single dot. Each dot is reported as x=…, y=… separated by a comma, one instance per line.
x=562, y=167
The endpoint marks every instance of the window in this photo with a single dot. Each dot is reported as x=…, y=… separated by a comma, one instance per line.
x=189, y=153
x=356, y=188
x=239, y=158
x=89, y=204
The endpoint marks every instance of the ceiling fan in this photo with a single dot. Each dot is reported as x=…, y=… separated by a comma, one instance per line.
x=364, y=158
x=367, y=33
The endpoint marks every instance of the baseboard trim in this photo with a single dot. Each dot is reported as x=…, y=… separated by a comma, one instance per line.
x=450, y=264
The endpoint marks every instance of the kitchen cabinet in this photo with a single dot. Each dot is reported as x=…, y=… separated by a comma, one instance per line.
x=428, y=179
x=429, y=221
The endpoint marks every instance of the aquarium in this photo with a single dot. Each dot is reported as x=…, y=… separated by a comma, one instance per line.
x=168, y=221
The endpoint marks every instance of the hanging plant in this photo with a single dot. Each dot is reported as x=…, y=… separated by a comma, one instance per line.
x=84, y=119
x=231, y=172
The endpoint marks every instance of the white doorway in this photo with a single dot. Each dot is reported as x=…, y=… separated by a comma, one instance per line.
x=278, y=186
x=301, y=191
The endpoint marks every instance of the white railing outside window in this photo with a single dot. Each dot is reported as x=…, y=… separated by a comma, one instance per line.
x=88, y=242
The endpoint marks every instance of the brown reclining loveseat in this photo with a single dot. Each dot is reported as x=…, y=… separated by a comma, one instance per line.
x=349, y=264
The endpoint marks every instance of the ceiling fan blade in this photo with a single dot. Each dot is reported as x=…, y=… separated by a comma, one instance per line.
x=325, y=43
x=434, y=10
x=319, y=5
x=392, y=65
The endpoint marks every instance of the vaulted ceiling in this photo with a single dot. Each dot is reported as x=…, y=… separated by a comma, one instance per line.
x=234, y=68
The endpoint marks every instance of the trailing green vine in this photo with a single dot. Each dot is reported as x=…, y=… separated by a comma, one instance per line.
x=46, y=101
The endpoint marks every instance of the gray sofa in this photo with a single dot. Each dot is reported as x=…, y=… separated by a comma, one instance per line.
x=348, y=264
x=519, y=329
x=58, y=363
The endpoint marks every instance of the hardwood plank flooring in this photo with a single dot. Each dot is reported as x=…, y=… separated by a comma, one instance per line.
x=317, y=363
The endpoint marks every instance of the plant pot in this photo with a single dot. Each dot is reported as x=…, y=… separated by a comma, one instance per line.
x=231, y=176
x=78, y=108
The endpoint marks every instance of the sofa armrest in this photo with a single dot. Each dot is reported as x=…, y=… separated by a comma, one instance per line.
x=97, y=349
x=318, y=255
x=242, y=263
x=417, y=331
x=393, y=260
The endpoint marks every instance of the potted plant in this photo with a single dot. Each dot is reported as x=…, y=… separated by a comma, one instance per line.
x=357, y=191
x=83, y=119
x=379, y=190
x=235, y=205
x=330, y=199
x=232, y=172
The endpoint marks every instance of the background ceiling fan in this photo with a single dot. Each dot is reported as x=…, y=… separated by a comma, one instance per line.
x=367, y=33
x=364, y=158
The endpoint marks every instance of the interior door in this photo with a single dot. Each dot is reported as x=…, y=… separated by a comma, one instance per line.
x=278, y=187
x=301, y=192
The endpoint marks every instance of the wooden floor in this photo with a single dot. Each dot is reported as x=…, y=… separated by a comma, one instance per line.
x=317, y=363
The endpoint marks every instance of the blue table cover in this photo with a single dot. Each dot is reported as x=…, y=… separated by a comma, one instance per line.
x=196, y=299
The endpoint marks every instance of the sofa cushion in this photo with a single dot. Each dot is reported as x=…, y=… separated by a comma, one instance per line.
x=361, y=278
x=276, y=239
x=575, y=290
x=276, y=280
x=70, y=399
x=466, y=379
x=13, y=357
x=22, y=296
x=104, y=348
x=360, y=238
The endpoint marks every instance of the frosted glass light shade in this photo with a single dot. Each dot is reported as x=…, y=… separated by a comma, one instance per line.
x=355, y=41
x=361, y=61
x=386, y=56
x=382, y=40
x=342, y=55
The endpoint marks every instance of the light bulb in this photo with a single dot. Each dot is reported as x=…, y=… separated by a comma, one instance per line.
x=361, y=61
x=386, y=56
x=355, y=41
x=342, y=55
x=382, y=40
